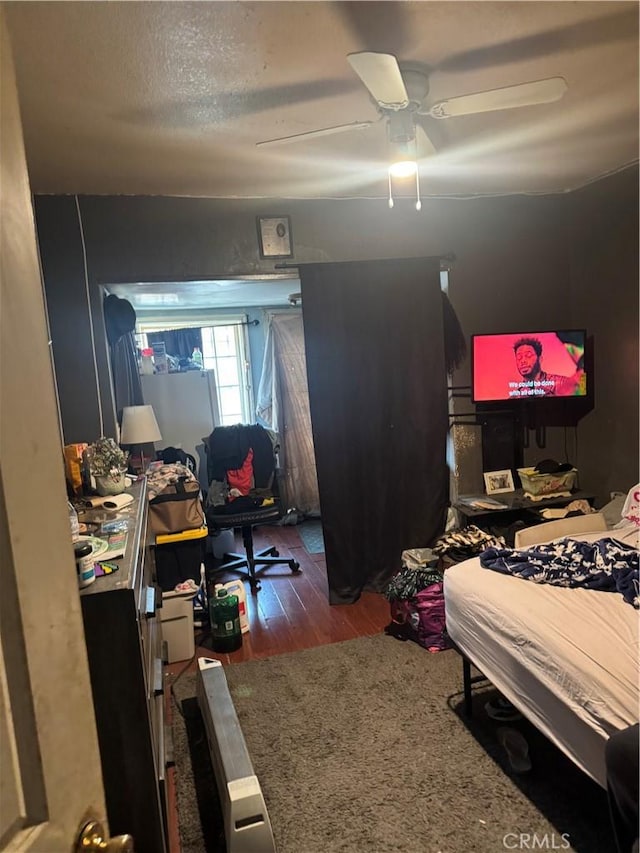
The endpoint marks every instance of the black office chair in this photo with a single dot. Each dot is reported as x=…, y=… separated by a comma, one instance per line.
x=227, y=449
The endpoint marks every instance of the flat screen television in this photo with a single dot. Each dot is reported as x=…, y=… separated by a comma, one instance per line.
x=517, y=366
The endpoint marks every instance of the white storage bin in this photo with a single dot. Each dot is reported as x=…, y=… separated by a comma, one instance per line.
x=177, y=624
x=223, y=543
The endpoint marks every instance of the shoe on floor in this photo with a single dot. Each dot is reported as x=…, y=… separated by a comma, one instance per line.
x=502, y=710
x=517, y=749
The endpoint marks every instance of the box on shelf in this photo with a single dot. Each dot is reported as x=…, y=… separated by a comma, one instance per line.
x=178, y=557
x=160, y=357
x=177, y=625
x=547, y=484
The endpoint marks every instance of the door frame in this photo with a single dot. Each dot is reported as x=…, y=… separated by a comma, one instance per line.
x=47, y=723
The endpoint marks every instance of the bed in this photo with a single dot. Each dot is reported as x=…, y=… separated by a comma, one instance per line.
x=566, y=658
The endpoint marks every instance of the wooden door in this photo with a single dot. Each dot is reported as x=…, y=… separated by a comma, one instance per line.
x=51, y=779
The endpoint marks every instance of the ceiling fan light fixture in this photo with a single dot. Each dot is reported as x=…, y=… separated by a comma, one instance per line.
x=415, y=172
x=403, y=168
x=403, y=162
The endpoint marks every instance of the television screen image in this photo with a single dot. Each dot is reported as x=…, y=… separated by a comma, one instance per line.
x=528, y=366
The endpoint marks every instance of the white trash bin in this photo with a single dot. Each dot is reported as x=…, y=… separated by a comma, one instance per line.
x=177, y=624
x=223, y=543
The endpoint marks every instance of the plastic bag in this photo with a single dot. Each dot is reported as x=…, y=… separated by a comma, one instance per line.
x=421, y=619
x=418, y=558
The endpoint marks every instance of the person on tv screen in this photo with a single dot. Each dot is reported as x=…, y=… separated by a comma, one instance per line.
x=538, y=383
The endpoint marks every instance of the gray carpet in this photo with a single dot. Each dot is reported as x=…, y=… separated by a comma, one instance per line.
x=361, y=746
x=310, y=531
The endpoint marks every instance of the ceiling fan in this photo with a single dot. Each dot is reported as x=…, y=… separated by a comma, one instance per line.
x=400, y=94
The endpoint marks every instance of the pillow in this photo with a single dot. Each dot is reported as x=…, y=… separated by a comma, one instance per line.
x=612, y=511
x=631, y=508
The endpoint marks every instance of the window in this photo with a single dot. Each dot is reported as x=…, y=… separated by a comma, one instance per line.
x=224, y=350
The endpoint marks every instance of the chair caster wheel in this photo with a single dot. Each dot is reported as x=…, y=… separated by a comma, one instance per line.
x=275, y=552
x=295, y=567
x=255, y=587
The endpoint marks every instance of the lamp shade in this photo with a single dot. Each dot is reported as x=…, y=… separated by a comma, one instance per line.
x=139, y=425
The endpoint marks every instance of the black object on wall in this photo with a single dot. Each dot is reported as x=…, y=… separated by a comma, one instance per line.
x=378, y=398
x=502, y=441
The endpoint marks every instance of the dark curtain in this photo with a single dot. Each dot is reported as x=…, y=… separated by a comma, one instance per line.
x=126, y=379
x=378, y=396
x=120, y=322
x=178, y=342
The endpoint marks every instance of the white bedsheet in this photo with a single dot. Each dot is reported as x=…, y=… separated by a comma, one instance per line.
x=567, y=658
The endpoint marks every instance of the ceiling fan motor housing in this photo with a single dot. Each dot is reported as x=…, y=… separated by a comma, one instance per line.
x=416, y=83
x=401, y=126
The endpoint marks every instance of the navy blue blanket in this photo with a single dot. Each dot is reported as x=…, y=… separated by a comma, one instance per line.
x=607, y=565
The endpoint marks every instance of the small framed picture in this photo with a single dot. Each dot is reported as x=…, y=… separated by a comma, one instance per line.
x=274, y=237
x=498, y=481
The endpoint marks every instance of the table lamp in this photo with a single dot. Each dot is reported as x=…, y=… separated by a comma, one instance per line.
x=139, y=426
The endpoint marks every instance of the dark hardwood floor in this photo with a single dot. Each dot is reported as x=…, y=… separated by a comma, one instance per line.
x=289, y=613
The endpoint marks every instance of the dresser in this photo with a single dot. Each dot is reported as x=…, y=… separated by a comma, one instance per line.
x=124, y=645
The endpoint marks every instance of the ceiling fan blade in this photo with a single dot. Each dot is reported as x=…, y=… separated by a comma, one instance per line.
x=380, y=73
x=506, y=98
x=311, y=134
x=424, y=144
x=377, y=25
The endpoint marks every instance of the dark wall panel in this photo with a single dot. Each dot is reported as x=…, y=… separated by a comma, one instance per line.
x=69, y=317
x=603, y=243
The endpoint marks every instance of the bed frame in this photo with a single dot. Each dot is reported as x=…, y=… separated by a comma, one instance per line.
x=468, y=681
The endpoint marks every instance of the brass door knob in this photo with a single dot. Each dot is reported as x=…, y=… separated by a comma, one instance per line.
x=93, y=838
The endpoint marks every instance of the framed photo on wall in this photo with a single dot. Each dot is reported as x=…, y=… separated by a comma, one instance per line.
x=496, y=482
x=274, y=237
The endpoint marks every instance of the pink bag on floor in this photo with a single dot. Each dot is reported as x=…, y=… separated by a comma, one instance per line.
x=422, y=619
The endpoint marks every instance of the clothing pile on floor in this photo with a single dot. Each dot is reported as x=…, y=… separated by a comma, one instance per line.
x=415, y=593
x=408, y=582
x=416, y=601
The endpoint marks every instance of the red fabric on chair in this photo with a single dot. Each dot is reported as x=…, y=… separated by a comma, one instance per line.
x=242, y=478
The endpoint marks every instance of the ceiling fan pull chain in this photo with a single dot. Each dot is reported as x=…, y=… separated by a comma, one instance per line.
x=418, y=202
x=390, y=196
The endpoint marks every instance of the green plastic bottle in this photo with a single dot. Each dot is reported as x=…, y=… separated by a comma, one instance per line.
x=224, y=613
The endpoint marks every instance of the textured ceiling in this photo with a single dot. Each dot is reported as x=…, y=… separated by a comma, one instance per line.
x=170, y=98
